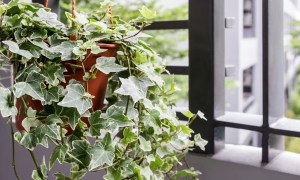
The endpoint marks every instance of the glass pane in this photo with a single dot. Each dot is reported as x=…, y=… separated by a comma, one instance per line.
x=243, y=92
x=172, y=45
x=177, y=10
x=291, y=37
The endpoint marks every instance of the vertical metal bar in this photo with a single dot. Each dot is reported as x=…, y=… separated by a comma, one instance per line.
x=201, y=67
x=265, y=84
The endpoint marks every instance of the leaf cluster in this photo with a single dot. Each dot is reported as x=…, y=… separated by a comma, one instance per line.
x=137, y=135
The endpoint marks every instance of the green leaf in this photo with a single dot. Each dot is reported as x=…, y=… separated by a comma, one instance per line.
x=115, y=118
x=50, y=73
x=128, y=136
x=12, y=46
x=97, y=50
x=39, y=34
x=134, y=87
x=146, y=172
x=76, y=173
x=30, y=121
x=185, y=129
x=59, y=153
x=44, y=168
x=7, y=107
x=79, y=151
x=55, y=39
x=95, y=123
x=108, y=65
x=108, y=142
x=147, y=13
x=163, y=151
x=31, y=86
x=100, y=157
x=156, y=164
x=53, y=119
x=201, y=143
x=152, y=120
x=188, y=114
x=144, y=145
x=149, y=70
x=48, y=18
x=35, y=175
x=60, y=176
x=51, y=95
x=42, y=131
x=80, y=18
x=77, y=98
x=72, y=114
x=27, y=140
x=113, y=174
x=65, y=49
x=185, y=173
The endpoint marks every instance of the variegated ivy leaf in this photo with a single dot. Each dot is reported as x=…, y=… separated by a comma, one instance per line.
x=134, y=87
x=152, y=120
x=43, y=131
x=50, y=73
x=144, y=144
x=26, y=139
x=77, y=98
x=59, y=153
x=108, y=65
x=65, y=49
x=115, y=118
x=7, y=107
x=97, y=50
x=30, y=121
x=201, y=143
x=51, y=95
x=201, y=115
x=100, y=156
x=48, y=18
x=113, y=174
x=71, y=113
x=31, y=86
x=95, y=123
x=147, y=13
x=128, y=136
x=80, y=151
x=14, y=48
x=149, y=70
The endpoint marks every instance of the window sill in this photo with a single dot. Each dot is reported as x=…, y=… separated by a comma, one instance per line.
x=251, y=156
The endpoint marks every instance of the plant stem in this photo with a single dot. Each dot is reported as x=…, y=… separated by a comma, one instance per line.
x=13, y=148
x=61, y=135
x=127, y=105
x=36, y=164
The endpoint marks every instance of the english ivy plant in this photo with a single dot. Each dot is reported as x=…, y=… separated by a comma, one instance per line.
x=137, y=135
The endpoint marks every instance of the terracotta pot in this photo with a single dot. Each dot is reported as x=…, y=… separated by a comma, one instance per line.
x=97, y=86
x=34, y=104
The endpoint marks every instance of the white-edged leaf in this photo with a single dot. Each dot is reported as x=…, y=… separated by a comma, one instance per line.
x=77, y=98
x=7, y=107
x=108, y=65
